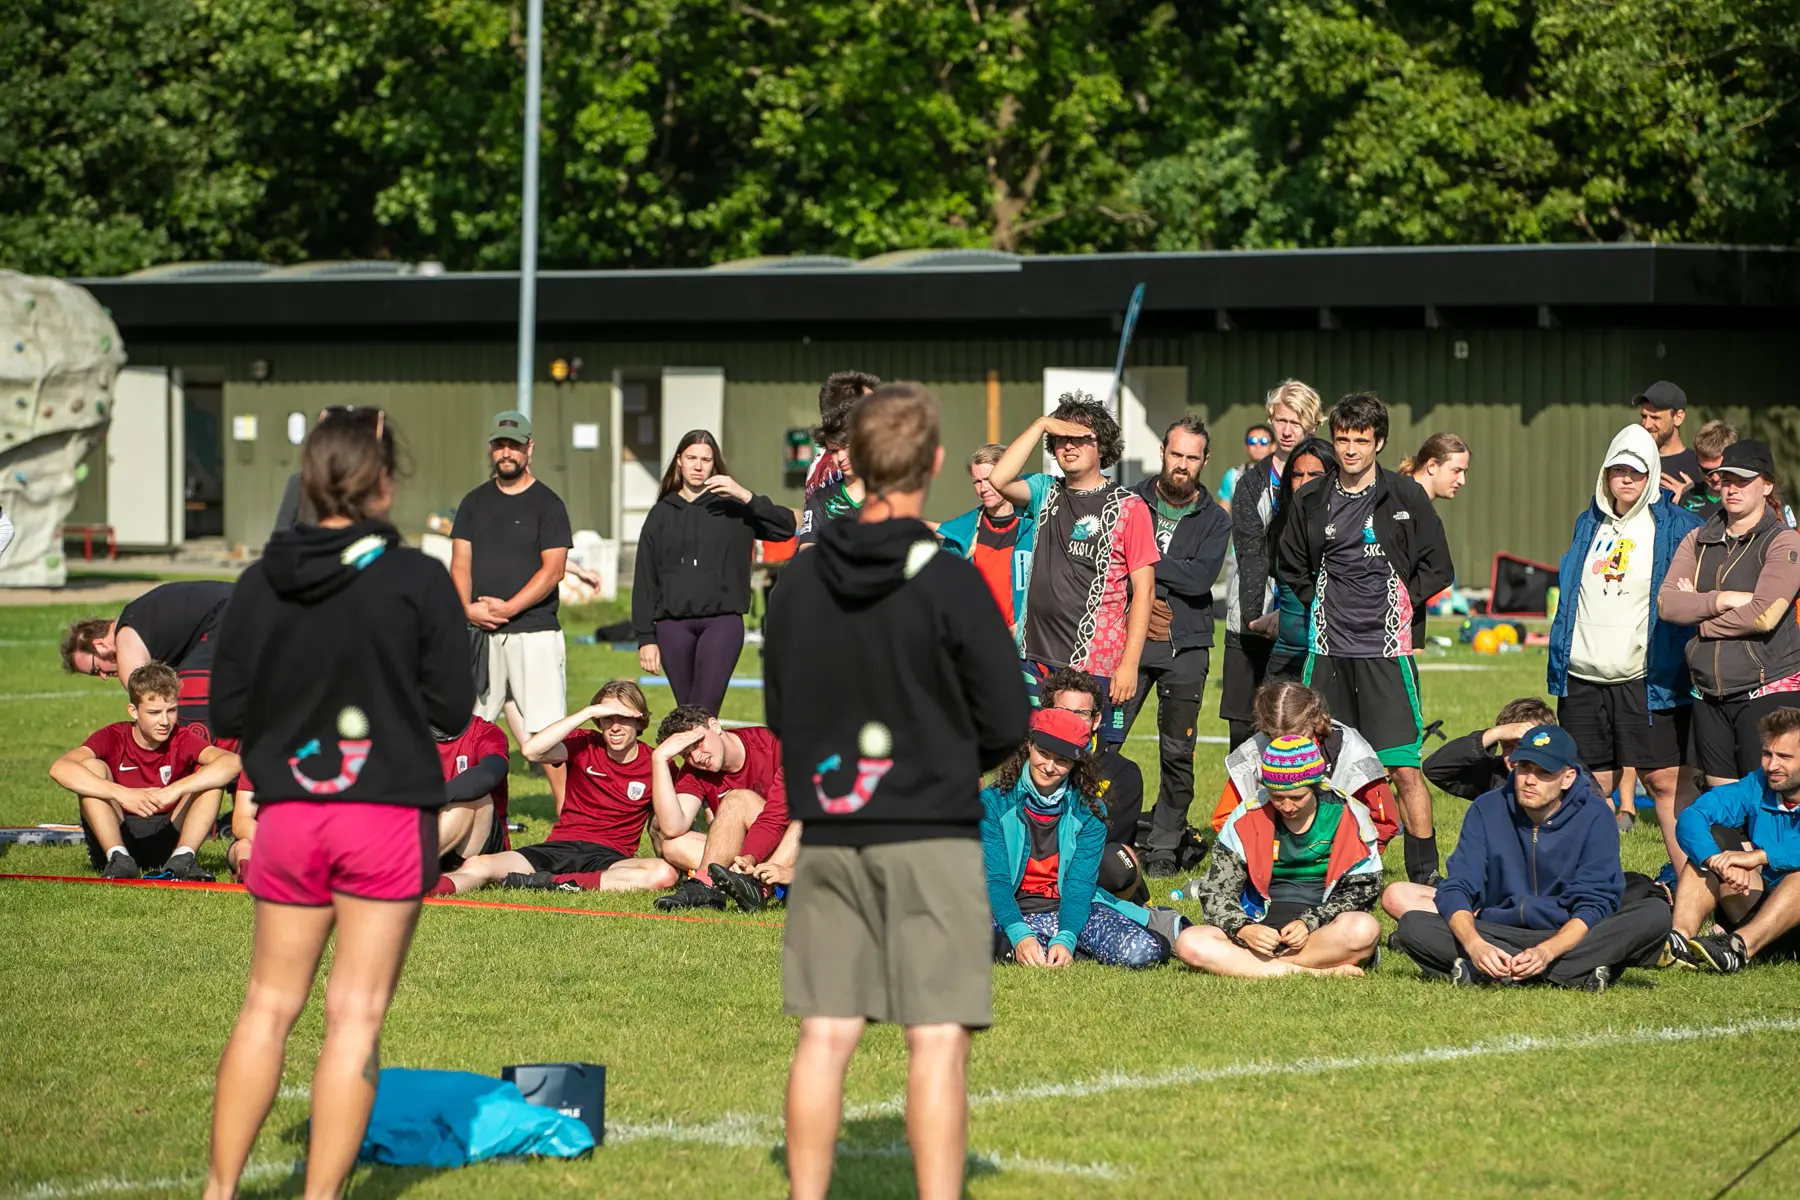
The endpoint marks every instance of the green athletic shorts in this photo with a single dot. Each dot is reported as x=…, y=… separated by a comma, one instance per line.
x=899, y=933
x=1377, y=697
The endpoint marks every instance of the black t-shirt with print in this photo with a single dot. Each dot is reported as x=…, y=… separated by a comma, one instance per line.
x=1356, y=597
x=507, y=537
x=1063, y=568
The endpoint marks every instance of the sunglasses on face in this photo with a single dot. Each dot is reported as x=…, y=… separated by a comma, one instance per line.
x=1058, y=440
x=1258, y=440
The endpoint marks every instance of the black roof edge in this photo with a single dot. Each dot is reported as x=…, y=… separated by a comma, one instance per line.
x=1073, y=288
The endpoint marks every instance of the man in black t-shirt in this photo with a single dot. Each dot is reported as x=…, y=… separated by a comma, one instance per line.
x=172, y=623
x=508, y=549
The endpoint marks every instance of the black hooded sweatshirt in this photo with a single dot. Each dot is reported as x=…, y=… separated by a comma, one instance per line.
x=339, y=651
x=889, y=676
x=693, y=557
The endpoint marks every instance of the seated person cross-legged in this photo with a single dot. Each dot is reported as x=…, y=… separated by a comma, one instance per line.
x=149, y=787
x=1043, y=836
x=1292, y=879
x=606, y=806
x=243, y=828
x=1534, y=888
x=1119, y=784
x=735, y=774
x=1743, y=869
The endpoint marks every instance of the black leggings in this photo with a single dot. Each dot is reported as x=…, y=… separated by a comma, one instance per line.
x=698, y=656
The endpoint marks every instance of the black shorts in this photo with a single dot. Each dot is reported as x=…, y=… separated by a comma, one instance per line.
x=569, y=858
x=1725, y=742
x=1284, y=912
x=1377, y=697
x=1614, y=726
x=149, y=840
x=1244, y=666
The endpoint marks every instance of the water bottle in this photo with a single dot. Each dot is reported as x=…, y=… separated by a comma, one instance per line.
x=1190, y=891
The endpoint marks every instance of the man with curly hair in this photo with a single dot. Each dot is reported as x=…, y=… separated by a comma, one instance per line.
x=1092, y=578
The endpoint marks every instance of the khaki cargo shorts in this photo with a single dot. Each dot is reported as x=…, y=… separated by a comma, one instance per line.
x=899, y=933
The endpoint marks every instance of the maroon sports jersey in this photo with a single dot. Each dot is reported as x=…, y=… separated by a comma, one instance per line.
x=761, y=773
x=468, y=748
x=133, y=766
x=605, y=801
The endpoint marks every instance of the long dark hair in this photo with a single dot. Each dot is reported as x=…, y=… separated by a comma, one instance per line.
x=1320, y=449
x=671, y=479
x=1084, y=776
x=345, y=459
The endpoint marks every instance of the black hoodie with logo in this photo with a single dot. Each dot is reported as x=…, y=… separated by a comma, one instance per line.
x=889, y=676
x=340, y=650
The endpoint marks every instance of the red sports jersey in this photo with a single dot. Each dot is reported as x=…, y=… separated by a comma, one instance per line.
x=133, y=766
x=761, y=773
x=475, y=743
x=605, y=801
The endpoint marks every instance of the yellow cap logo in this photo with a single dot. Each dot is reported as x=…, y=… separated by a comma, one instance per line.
x=1542, y=739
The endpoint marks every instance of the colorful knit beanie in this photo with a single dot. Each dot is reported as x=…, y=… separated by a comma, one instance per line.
x=1292, y=762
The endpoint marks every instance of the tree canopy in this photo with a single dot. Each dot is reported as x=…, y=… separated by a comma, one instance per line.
x=685, y=132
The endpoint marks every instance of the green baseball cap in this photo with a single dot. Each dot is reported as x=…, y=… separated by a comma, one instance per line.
x=510, y=426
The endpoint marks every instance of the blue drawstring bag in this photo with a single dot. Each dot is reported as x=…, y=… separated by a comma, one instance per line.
x=453, y=1118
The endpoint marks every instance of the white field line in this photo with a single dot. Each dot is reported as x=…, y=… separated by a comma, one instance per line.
x=48, y=695
x=1518, y=1043
x=757, y=1132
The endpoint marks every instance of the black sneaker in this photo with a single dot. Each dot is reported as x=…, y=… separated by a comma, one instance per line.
x=534, y=881
x=1677, y=953
x=1595, y=980
x=691, y=893
x=1723, y=952
x=1464, y=974
x=1374, y=959
x=121, y=866
x=746, y=891
x=183, y=868
x=1161, y=864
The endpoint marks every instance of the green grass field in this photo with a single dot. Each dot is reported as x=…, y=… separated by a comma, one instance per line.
x=1093, y=1082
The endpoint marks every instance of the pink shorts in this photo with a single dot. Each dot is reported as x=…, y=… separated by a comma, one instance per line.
x=306, y=850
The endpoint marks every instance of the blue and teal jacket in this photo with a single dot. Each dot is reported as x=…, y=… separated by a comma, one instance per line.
x=1751, y=805
x=958, y=535
x=1080, y=843
x=1665, y=669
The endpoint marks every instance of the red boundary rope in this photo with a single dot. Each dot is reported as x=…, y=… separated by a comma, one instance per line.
x=443, y=901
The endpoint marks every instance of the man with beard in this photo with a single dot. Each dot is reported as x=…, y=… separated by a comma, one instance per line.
x=508, y=549
x=1192, y=537
x=1662, y=407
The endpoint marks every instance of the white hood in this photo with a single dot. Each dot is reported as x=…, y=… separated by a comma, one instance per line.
x=1636, y=440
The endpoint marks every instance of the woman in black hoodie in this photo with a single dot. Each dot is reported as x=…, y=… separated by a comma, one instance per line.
x=340, y=651
x=692, y=586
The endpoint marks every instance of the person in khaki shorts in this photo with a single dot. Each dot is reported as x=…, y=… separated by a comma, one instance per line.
x=508, y=549
x=888, y=915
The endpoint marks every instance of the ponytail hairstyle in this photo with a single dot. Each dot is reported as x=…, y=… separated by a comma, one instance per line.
x=1437, y=448
x=671, y=480
x=346, y=459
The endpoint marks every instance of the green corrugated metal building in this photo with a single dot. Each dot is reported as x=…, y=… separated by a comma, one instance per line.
x=1531, y=354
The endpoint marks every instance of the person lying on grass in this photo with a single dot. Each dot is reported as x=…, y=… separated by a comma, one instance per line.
x=1474, y=764
x=1743, y=861
x=1534, y=888
x=149, y=787
x=1043, y=835
x=1293, y=876
x=735, y=774
x=1288, y=708
x=606, y=806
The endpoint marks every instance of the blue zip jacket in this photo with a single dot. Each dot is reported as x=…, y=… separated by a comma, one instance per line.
x=1080, y=842
x=1506, y=870
x=1666, y=673
x=958, y=534
x=1749, y=804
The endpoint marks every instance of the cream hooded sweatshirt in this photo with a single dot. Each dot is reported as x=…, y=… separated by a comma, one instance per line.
x=1612, y=617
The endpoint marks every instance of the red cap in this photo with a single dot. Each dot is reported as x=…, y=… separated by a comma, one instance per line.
x=1061, y=732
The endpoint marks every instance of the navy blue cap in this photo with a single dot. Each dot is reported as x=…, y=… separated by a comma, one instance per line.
x=1547, y=746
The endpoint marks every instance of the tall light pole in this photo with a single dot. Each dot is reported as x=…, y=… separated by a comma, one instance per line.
x=534, y=81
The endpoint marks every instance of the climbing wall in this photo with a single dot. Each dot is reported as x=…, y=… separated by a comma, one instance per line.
x=59, y=355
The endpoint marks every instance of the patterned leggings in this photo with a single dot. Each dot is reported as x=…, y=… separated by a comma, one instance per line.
x=1108, y=938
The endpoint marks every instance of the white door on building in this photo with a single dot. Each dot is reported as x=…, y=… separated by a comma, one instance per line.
x=693, y=398
x=145, y=459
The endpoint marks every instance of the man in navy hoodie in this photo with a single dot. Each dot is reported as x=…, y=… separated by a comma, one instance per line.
x=1534, y=884
x=888, y=913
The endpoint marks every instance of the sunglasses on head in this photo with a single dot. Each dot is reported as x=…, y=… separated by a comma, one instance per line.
x=357, y=410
